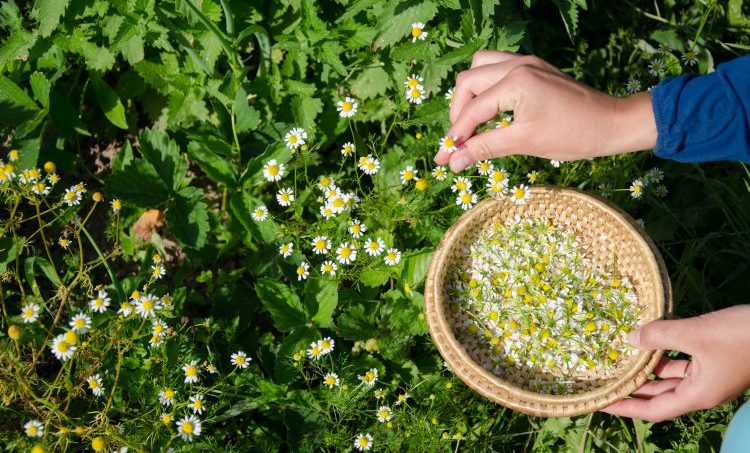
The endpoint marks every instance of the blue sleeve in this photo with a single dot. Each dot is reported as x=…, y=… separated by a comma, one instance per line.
x=704, y=118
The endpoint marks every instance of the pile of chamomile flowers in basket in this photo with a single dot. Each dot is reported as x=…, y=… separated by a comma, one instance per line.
x=528, y=306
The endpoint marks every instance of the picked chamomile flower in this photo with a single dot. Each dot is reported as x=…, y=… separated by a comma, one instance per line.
x=303, y=271
x=460, y=184
x=392, y=257
x=80, y=323
x=417, y=32
x=166, y=396
x=384, y=414
x=260, y=213
x=690, y=58
x=466, y=199
x=72, y=196
x=286, y=250
x=285, y=196
x=636, y=189
x=346, y=253
x=363, y=442
x=505, y=121
x=188, y=427
x=331, y=380
x=348, y=149
x=100, y=303
x=370, y=377
x=240, y=360
x=158, y=271
x=415, y=95
x=369, y=164
x=449, y=94
x=519, y=194
x=147, y=306
x=95, y=384
x=439, y=173
x=295, y=138
x=29, y=312
x=347, y=108
x=321, y=245
x=374, y=247
x=357, y=228
x=448, y=144
x=34, y=428
x=633, y=86
x=191, y=372
x=495, y=189
x=408, y=174
x=273, y=171
x=415, y=80
x=62, y=349
x=485, y=167
x=532, y=176
x=196, y=404
x=328, y=268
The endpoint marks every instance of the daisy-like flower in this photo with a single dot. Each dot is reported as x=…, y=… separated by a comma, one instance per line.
x=460, y=184
x=155, y=341
x=401, y=399
x=379, y=394
x=40, y=188
x=295, y=138
x=314, y=352
x=115, y=205
x=126, y=309
x=328, y=268
x=633, y=86
x=346, y=253
x=348, y=149
x=166, y=396
x=95, y=384
x=440, y=173
x=146, y=306
x=286, y=250
x=347, y=108
x=211, y=368
x=636, y=189
x=408, y=174
x=653, y=175
x=496, y=189
x=196, y=404
x=13, y=155
x=29, y=175
x=485, y=167
x=273, y=171
x=415, y=95
x=656, y=67
x=370, y=377
x=417, y=32
x=331, y=380
x=690, y=58
x=448, y=144
x=189, y=426
x=159, y=328
x=324, y=182
x=384, y=413
x=661, y=191
x=303, y=271
x=260, y=213
x=519, y=194
x=466, y=199
x=374, y=247
x=556, y=163
x=34, y=428
x=363, y=442
x=30, y=313
x=505, y=121
x=449, y=94
x=357, y=228
x=532, y=176
x=369, y=164
x=321, y=245
x=240, y=360
x=53, y=178
x=191, y=372
x=421, y=184
x=326, y=345
x=100, y=303
x=80, y=323
x=62, y=349
x=392, y=257
x=72, y=196
x=158, y=271
x=415, y=80
x=327, y=211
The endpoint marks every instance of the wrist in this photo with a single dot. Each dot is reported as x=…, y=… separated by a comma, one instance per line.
x=634, y=124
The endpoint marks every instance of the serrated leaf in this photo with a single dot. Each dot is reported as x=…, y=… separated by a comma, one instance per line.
x=241, y=206
x=415, y=267
x=109, y=102
x=282, y=303
x=372, y=82
x=355, y=324
x=374, y=277
x=216, y=167
x=305, y=110
x=330, y=52
x=48, y=13
x=396, y=28
x=138, y=183
x=29, y=153
x=246, y=117
x=40, y=86
x=408, y=51
x=15, y=105
x=96, y=58
x=321, y=298
x=164, y=154
x=187, y=217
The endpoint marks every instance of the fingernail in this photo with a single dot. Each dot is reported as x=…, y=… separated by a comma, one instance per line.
x=635, y=338
x=459, y=162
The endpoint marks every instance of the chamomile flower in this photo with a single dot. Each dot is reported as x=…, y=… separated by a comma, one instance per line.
x=13, y=155
x=379, y=394
x=321, y=245
x=408, y=174
x=370, y=377
x=413, y=81
x=532, y=176
x=374, y=247
x=556, y=163
x=100, y=303
x=240, y=360
x=505, y=121
x=384, y=414
x=80, y=323
x=273, y=171
x=196, y=404
x=328, y=268
x=325, y=182
x=369, y=164
x=314, y=352
x=346, y=253
x=690, y=57
x=519, y=194
x=188, y=427
x=53, y=178
x=64, y=243
x=357, y=228
x=40, y=188
x=392, y=257
x=331, y=380
x=158, y=271
x=303, y=271
x=147, y=306
x=363, y=442
x=166, y=396
x=485, y=167
x=159, y=328
x=633, y=86
x=295, y=138
x=95, y=384
x=449, y=94
x=285, y=196
x=29, y=175
x=115, y=205
x=191, y=372
x=656, y=67
x=29, y=313
x=34, y=428
x=661, y=191
x=653, y=175
x=495, y=189
x=260, y=213
x=62, y=349
x=327, y=211
x=466, y=199
x=347, y=108
x=460, y=184
x=401, y=399
x=72, y=196
x=448, y=144
x=636, y=189
x=417, y=32
x=286, y=250
x=326, y=345
x=348, y=149
x=439, y=173
x=415, y=95
x=155, y=341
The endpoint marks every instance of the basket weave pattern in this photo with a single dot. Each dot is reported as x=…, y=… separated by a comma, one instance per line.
x=604, y=233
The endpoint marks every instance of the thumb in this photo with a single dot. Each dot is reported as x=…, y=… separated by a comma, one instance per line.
x=676, y=334
x=487, y=145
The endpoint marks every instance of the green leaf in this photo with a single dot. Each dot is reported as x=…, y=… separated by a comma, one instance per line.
x=241, y=206
x=187, y=217
x=216, y=167
x=416, y=266
x=109, y=102
x=15, y=105
x=97, y=58
x=305, y=110
x=374, y=277
x=300, y=338
x=48, y=13
x=330, y=52
x=372, y=82
x=124, y=157
x=395, y=28
x=282, y=303
x=246, y=118
x=354, y=324
x=64, y=115
x=40, y=86
x=164, y=154
x=321, y=298
x=29, y=153
x=138, y=183
x=8, y=251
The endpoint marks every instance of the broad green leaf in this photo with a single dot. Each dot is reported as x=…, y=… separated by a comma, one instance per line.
x=216, y=167
x=416, y=266
x=29, y=153
x=64, y=115
x=40, y=86
x=124, y=157
x=163, y=153
x=242, y=205
x=354, y=324
x=246, y=118
x=372, y=82
x=306, y=109
x=109, y=102
x=399, y=26
x=374, y=277
x=8, y=251
x=321, y=298
x=405, y=319
x=15, y=105
x=138, y=183
x=48, y=13
x=96, y=58
x=282, y=303
x=330, y=52
x=187, y=217
x=299, y=338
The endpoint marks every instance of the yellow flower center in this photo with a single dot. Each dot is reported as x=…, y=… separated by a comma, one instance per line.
x=415, y=93
x=325, y=182
x=259, y=213
x=320, y=244
x=391, y=256
x=293, y=139
x=63, y=347
x=326, y=344
x=408, y=175
x=70, y=196
x=448, y=142
x=346, y=106
x=421, y=184
x=460, y=185
x=33, y=430
x=637, y=188
x=300, y=270
x=519, y=193
x=346, y=252
x=416, y=32
x=197, y=404
x=166, y=419
x=187, y=427
x=465, y=198
x=191, y=371
x=240, y=360
x=71, y=337
x=169, y=393
x=148, y=305
x=330, y=380
x=28, y=313
x=273, y=170
x=412, y=83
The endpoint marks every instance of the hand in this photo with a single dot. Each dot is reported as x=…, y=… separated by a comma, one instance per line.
x=719, y=343
x=554, y=116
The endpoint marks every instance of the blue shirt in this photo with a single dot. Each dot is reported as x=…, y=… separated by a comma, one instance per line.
x=705, y=118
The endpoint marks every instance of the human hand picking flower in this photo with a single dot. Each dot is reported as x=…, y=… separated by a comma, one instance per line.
x=719, y=343
x=555, y=116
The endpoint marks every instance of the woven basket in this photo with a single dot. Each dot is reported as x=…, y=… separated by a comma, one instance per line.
x=604, y=231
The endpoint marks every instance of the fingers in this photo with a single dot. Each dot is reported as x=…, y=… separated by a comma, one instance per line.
x=667, y=369
x=678, y=334
x=487, y=145
x=661, y=407
x=654, y=388
x=485, y=57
